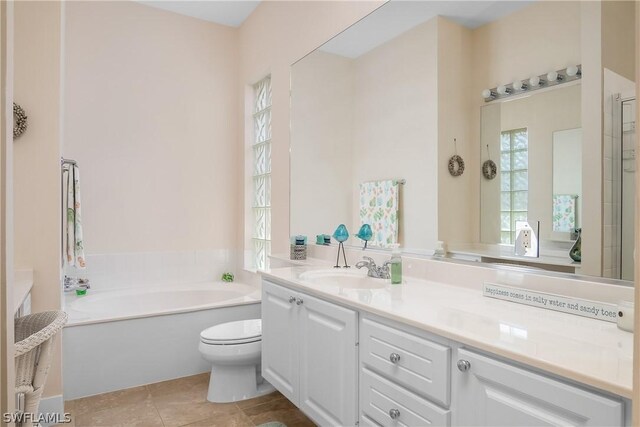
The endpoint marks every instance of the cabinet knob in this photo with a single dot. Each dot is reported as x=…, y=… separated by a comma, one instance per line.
x=464, y=365
x=394, y=357
x=299, y=301
x=394, y=413
x=292, y=299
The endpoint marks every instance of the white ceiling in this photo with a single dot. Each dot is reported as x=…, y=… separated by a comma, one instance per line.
x=397, y=17
x=229, y=12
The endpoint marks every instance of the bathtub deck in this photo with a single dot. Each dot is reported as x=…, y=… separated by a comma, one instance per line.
x=180, y=402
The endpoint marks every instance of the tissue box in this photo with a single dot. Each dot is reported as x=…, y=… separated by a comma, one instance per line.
x=298, y=252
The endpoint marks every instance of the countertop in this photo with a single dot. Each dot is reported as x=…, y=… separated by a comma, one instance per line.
x=588, y=351
x=23, y=282
x=506, y=253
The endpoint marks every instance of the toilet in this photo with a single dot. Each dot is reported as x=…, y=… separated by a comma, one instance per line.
x=234, y=350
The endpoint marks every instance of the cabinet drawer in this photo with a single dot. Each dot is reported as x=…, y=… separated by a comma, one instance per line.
x=379, y=397
x=414, y=362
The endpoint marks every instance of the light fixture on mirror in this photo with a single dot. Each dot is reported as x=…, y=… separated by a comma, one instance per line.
x=536, y=81
x=518, y=87
x=488, y=94
x=503, y=90
x=553, y=76
x=573, y=71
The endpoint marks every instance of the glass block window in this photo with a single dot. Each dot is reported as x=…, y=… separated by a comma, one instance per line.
x=261, y=173
x=514, y=182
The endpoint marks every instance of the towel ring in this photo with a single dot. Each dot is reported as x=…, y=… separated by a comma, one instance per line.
x=489, y=169
x=456, y=165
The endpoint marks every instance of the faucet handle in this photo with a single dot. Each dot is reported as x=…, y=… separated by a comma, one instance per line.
x=369, y=260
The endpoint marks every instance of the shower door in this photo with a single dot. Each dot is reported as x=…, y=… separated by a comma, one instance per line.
x=628, y=187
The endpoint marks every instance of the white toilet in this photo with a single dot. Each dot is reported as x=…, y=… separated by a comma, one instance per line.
x=234, y=350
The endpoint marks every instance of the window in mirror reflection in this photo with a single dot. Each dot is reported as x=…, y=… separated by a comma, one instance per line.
x=514, y=181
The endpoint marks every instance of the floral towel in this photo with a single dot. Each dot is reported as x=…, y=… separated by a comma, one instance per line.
x=379, y=208
x=564, y=212
x=73, y=244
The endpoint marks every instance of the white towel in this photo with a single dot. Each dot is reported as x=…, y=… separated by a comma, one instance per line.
x=73, y=243
x=379, y=204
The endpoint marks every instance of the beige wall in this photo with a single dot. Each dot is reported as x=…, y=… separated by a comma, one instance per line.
x=396, y=129
x=322, y=128
x=457, y=196
x=37, y=57
x=271, y=39
x=7, y=369
x=618, y=22
x=151, y=118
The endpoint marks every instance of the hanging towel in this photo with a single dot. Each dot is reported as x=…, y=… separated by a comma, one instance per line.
x=379, y=204
x=564, y=212
x=73, y=244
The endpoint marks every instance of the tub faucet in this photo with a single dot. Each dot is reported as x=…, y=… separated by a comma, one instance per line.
x=72, y=283
x=373, y=270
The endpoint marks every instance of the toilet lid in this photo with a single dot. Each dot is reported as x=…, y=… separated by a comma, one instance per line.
x=239, y=332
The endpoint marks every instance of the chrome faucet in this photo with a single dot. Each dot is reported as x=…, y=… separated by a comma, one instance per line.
x=72, y=283
x=373, y=270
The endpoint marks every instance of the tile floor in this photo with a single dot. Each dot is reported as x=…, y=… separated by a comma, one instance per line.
x=180, y=402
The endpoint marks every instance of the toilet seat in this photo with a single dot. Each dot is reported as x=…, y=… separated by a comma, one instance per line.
x=233, y=333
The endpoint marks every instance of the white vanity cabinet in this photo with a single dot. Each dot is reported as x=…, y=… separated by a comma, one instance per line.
x=494, y=393
x=310, y=353
x=404, y=377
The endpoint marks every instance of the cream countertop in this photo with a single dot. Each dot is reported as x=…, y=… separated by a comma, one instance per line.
x=585, y=350
x=22, y=284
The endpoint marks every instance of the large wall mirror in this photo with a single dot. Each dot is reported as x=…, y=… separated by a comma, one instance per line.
x=375, y=112
x=536, y=141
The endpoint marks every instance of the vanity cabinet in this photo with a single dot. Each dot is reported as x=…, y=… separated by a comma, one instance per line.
x=310, y=353
x=494, y=393
x=404, y=377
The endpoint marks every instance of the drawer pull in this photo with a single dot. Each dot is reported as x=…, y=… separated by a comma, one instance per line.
x=299, y=301
x=292, y=299
x=394, y=357
x=394, y=413
x=464, y=365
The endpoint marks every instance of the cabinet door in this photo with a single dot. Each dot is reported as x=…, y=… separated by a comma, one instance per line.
x=279, y=339
x=328, y=362
x=498, y=394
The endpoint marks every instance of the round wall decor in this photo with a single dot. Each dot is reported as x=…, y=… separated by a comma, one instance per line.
x=456, y=165
x=19, y=121
x=489, y=169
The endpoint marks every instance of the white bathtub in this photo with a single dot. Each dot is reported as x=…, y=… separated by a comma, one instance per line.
x=128, y=337
x=128, y=303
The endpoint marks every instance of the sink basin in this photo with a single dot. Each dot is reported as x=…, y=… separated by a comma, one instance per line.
x=343, y=278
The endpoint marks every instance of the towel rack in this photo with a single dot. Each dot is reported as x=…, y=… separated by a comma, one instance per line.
x=395, y=181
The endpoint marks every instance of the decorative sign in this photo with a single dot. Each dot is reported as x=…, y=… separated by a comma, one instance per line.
x=579, y=307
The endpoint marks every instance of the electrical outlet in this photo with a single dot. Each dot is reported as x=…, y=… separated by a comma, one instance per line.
x=526, y=239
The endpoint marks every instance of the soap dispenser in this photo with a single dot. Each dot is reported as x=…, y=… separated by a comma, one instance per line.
x=396, y=265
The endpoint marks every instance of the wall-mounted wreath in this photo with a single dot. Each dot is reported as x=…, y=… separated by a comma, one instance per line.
x=19, y=121
x=489, y=169
x=456, y=165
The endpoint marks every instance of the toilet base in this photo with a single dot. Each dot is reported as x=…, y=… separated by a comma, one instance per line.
x=235, y=383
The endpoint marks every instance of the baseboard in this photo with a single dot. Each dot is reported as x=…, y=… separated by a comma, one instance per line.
x=51, y=405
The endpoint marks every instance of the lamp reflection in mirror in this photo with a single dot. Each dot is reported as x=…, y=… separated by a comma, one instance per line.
x=553, y=76
x=536, y=81
x=503, y=90
x=488, y=94
x=573, y=70
x=519, y=85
